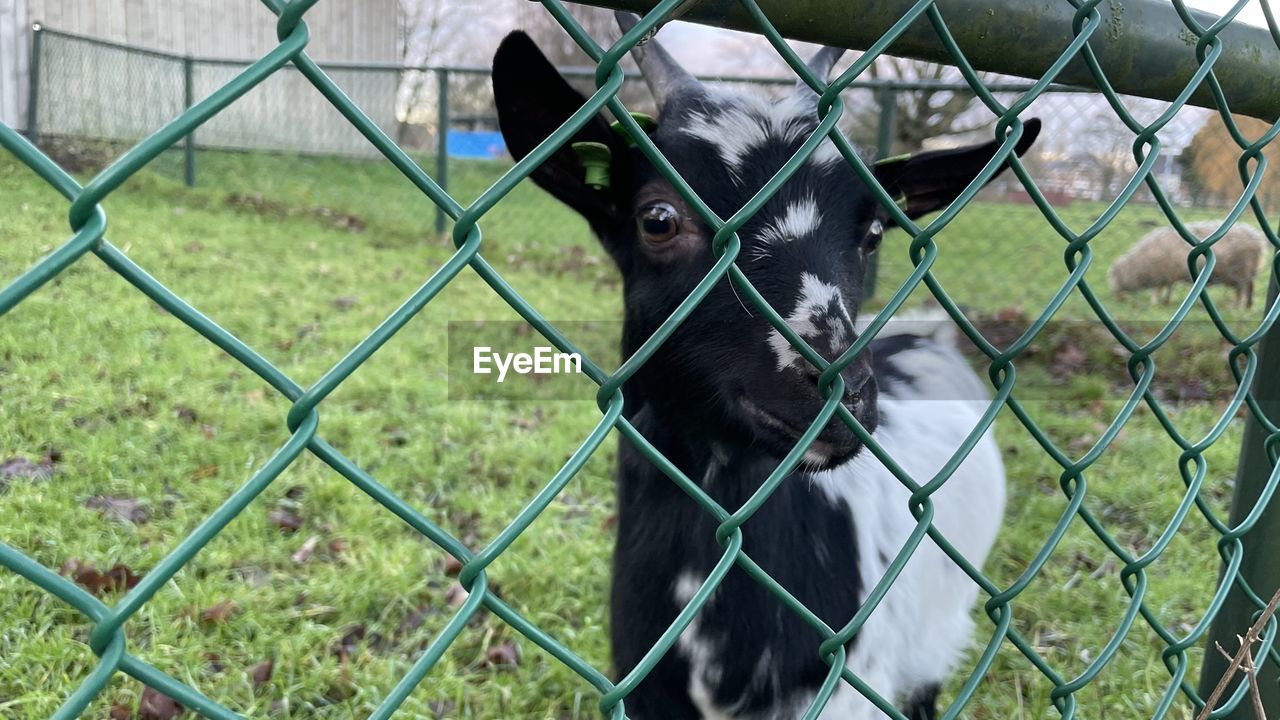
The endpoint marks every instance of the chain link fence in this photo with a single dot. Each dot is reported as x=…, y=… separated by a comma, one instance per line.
x=91, y=97
x=1161, y=161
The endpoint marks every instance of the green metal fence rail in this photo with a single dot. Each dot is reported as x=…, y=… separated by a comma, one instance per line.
x=1245, y=584
x=65, y=99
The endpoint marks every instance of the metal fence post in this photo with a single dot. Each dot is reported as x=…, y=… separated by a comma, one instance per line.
x=442, y=140
x=189, y=143
x=33, y=89
x=1260, y=565
x=888, y=99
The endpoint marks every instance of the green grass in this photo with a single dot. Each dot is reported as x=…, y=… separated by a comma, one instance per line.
x=300, y=258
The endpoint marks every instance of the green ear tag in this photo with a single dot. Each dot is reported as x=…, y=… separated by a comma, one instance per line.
x=646, y=123
x=895, y=158
x=595, y=158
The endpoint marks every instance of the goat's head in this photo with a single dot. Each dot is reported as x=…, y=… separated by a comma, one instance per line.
x=726, y=372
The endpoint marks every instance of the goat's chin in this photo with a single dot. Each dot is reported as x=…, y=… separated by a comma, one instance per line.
x=834, y=446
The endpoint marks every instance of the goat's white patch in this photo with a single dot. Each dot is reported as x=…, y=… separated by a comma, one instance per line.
x=685, y=587
x=826, y=154
x=793, y=117
x=812, y=318
x=801, y=217
x=930, y=322
x=737, y=124
x=713, y=469
x=732, y=133
x=932, y=597
x=876, y=228
x=936, y=368
x=813, y=459
x=700, y=651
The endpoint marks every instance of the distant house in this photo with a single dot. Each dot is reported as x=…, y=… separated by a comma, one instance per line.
x=364, y=31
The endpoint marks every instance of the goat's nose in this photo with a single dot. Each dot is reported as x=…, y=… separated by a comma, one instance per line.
x=855, y=376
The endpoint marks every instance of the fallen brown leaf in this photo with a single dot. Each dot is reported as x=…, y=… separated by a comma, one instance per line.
x=119, y=577
x=414, y=620
x=285, y=519
x=308, y=548
x=261, y=673
x=503, y=655
x=220, y=612
x=155, y=705
x=349, y=641
x=455, y=596
x=1068, y=359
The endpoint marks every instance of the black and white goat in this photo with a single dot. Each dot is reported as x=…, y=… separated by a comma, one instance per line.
x=726, y=397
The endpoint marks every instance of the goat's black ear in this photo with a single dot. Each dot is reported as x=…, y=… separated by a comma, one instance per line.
x=533, y=100
x=929, y=181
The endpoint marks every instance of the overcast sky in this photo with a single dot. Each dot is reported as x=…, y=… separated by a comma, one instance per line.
x=1251, y=14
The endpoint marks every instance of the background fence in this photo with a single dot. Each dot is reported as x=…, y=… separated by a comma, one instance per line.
x=1062, y=176
x=87, y=89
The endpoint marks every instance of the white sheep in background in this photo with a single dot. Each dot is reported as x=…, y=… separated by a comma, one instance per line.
x=1159, y=260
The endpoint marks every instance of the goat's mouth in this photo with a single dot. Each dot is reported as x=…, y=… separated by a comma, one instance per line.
x=834, y=445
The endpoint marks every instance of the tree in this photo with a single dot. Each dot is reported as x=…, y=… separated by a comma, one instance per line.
x=1212, y=163
x=918, y=114
x=1109, y=154
x=560, y=48
x=431, y=32
x=555, y=41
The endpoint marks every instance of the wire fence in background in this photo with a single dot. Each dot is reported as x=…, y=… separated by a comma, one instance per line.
x=90, y=90
x=1168, y=187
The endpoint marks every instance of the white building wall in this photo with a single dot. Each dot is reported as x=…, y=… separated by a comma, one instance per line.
x=363, y=30
x=15, y=54
x=88, y=90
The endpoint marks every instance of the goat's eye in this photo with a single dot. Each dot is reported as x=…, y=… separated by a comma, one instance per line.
x=875, y=233
x=658, y=222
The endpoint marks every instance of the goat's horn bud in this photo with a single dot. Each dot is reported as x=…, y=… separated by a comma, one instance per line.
x=595, y=158
x=661, y=72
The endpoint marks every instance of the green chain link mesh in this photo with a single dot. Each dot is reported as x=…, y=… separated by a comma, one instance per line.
x=89, y=224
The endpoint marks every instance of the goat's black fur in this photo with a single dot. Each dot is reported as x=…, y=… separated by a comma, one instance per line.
x=721, y=398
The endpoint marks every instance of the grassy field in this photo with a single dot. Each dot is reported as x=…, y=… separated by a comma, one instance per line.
x=133, y=429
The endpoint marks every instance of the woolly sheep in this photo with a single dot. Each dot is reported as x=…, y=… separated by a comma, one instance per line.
x=1159, y=260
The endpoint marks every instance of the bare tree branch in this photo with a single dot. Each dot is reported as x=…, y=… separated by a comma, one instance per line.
x=1243, y=655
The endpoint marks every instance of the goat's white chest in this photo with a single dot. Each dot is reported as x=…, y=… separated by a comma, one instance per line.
x=922, y=626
